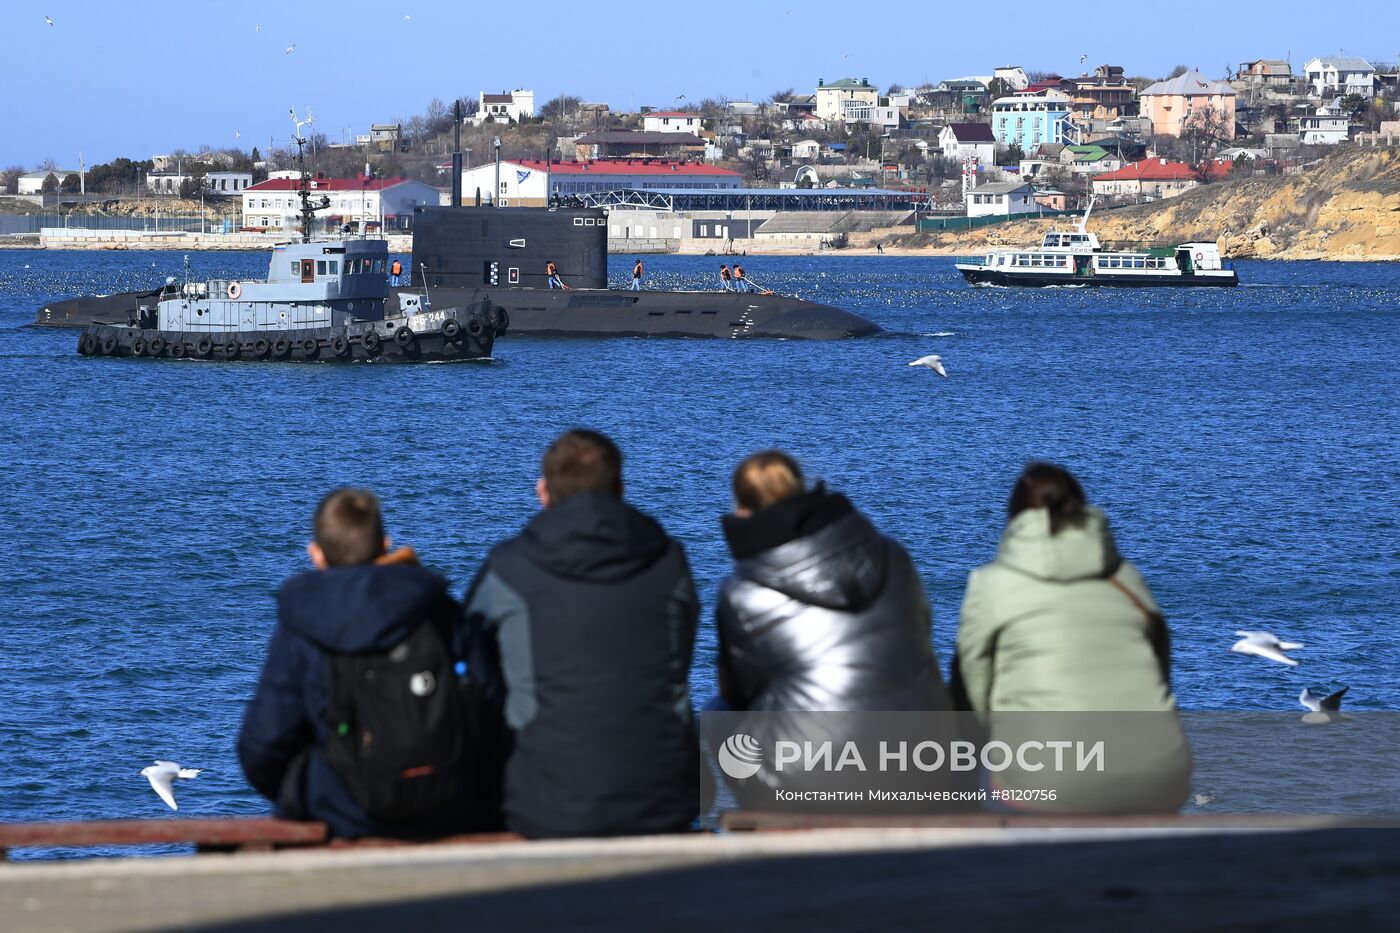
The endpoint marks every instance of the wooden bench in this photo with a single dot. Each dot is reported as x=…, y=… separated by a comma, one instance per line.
x=206, y=835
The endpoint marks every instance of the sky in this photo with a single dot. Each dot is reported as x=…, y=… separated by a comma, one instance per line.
x=139, y=77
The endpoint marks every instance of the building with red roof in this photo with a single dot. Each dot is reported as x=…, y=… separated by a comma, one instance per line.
x=1157, y=178
x=362, y=203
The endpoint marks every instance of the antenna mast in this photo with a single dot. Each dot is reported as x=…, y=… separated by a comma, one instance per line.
x=308, y=210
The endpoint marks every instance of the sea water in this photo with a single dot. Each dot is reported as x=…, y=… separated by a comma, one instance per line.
x=1245, y=444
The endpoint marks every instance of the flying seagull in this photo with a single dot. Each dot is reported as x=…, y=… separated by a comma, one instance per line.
x=237, y=135
x=1322, y=709
x=406, y=17
x=291, y=48
x=162, y=776
x=933, y=362
x=47, y=20
x=259, y=27
x=1266, y=645
x=1203, y=799
x=1083, y=59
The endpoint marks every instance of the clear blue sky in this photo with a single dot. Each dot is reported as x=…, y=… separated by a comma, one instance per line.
x=141, y=77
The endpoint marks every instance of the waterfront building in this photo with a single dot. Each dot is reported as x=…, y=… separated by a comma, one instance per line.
x=1002, y=199
x=673, y=121
x=1028, y=121
x=1338, y=76
x=834, y=99
x=1326, y=126
x=531, y=182
x=1156, y=178
x=505, y=107
x=274, y=205
x=968, y=141
x=33, y=182
x=1174, y=105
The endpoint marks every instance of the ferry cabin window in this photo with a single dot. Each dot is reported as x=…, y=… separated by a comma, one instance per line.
x=334, y=266
x=296, y=267
x=366, y=266
x=349, y=267
x=320, y=267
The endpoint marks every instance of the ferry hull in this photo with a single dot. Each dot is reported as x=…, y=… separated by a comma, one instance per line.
x=983, y=276
x=468, y=336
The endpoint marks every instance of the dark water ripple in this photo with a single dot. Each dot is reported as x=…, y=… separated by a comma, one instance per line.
x=1243, y=442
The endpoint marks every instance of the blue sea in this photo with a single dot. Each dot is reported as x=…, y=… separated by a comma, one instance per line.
x=1245, y=444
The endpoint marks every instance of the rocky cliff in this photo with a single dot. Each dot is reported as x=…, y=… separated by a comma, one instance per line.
x=1347, y=206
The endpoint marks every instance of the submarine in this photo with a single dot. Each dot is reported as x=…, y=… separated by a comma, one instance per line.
x=464, y=254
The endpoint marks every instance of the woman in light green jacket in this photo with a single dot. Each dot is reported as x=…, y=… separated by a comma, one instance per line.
x=1061, y=624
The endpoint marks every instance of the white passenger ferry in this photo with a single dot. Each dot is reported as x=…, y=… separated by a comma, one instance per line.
x=1076, y=257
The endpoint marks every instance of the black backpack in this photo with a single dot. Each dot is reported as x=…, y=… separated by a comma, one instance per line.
x=403, y=726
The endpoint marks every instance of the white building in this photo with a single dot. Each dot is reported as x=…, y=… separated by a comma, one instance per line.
x=1340, y=76
x=960, y=141
x=672, y=121
x=275, y=204
x=806, y=150
x=832, y=99
x=222, y=184
x=33, y=182
x=883, y=116
x=507, y=106
x=531, y=182
x=1326, y=126
x=1001, y=199
x=1014, y=75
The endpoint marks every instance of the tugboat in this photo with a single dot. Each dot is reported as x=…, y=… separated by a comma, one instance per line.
x=1077, y=258
x=325, y=300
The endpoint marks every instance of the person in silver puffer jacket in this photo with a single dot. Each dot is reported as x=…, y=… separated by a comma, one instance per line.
x=822, y=613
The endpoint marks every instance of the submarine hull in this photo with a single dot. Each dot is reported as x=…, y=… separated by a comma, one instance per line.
x=616, y=313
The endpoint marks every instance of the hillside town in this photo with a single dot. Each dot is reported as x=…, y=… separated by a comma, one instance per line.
x=800, y=169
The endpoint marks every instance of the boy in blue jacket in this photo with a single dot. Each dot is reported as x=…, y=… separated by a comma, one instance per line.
x=361, y=600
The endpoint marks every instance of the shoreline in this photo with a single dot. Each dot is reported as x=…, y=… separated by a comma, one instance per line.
x=205, y=243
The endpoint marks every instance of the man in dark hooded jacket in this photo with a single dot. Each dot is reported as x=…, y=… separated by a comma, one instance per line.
x=359, y=599
x=593, y=613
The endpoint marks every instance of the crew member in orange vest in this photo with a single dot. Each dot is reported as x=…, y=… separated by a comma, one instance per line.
x=551, y=270
x=395, y=271
x=741, y=284
x=726, y=281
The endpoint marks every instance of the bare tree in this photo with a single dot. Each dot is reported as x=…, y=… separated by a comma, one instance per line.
x=1205, y=128
x=783, y=96
x=1177, y=72
x=563, y=107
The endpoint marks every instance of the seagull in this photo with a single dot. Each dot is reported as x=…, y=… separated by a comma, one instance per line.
x=291, y=48
x=1203, y=799
x=1322, y=709
x=406, y=17
x=162, y=776
x=1083, y=59
x=47, y=20
x=933, y=362
x=237, y=135
x=259, y=27
x=1266, y=645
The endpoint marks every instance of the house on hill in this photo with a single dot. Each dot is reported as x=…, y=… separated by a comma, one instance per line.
x=968, y=141
x=1157, y=178
x=1174, y=105
x=1339, y=76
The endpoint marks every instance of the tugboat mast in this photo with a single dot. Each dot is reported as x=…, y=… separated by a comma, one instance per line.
x=308, y=210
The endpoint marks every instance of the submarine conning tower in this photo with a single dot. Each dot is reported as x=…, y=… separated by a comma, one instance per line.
x=490, y=247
